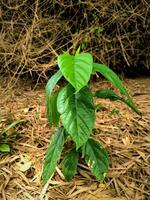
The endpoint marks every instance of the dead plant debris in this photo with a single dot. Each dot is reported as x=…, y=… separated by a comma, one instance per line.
x=125, y=135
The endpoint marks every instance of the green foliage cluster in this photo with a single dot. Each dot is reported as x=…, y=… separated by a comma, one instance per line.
x=73, y=105
x=6, y=139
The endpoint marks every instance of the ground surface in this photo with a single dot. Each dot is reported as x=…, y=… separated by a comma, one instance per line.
x=126, y=136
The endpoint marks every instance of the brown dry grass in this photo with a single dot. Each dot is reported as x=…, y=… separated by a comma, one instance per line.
x=126, y=136
x=33, y=32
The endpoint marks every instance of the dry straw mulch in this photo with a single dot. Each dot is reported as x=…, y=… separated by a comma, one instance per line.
x=33, y=32
x=126, y=137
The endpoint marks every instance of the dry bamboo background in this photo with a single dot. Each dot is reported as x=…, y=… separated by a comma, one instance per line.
x=33, y=32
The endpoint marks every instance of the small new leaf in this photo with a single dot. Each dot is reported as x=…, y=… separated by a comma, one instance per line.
x=53, y=154
x=114, y=79
x=96, y=158
x=50, y=100
x=53, y=106
x=69, y=164
x=107, y=94
x=78, y=51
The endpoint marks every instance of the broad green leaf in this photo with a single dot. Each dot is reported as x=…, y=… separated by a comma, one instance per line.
x=52, y=116
x=13, y=124
x=4, y=148
x=96, y=158
x=76, y=69
x=107, y=94
x=77, y=113
x=111, y=76
x=53, y=154
x=114, y=79
x=69, y=164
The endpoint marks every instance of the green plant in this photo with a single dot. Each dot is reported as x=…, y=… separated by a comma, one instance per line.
x=6, y=138
x=74, y=105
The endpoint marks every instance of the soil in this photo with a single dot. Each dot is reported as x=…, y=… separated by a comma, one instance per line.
x=124, y=134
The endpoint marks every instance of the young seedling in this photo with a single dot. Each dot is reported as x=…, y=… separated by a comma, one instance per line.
x=73, y=105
